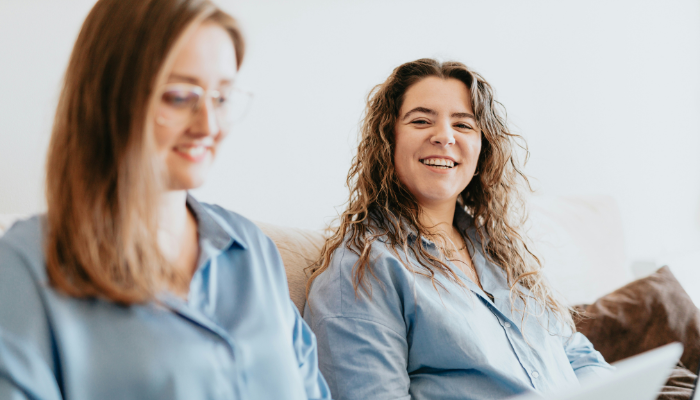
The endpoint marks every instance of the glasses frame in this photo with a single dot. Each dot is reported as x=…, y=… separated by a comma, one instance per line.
x=204, y=95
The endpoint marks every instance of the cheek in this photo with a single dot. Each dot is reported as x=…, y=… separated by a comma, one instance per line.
x=164, y=137
x=220, y=138
x=474, y=149
x=401, y=159
x=404, y=147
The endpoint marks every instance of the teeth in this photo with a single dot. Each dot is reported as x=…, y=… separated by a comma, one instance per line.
x=441, y=163
x=192, y=151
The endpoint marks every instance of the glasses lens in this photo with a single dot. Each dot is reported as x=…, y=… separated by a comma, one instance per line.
x=177, y=104
x=232, y=106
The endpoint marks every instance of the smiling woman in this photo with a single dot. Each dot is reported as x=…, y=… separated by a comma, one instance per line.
x=129, y=288
x=428, y=290
x=437, y=142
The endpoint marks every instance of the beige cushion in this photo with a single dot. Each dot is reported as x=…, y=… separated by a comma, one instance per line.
x=299, y=249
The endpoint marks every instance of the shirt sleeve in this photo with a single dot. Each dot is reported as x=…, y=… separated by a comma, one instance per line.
x=586, y=361
x=363, y=359
x=8, y=391
x=25, y=344
x=307, y=355
x=362, y=335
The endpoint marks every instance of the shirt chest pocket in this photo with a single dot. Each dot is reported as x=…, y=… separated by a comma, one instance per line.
x=464, y=331
x=161, y=357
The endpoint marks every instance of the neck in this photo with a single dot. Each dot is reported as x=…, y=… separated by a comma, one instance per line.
x=172, y=210
x=438, y=217
x=172, y=222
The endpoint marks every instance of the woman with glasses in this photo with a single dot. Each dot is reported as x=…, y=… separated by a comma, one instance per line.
x=428, y=289
x=129, y=288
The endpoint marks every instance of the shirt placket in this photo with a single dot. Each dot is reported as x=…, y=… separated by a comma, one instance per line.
x=226, y=350
x=519, y=346
x=521, y=350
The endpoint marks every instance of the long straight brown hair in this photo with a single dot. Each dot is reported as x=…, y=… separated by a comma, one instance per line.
x=101, y=179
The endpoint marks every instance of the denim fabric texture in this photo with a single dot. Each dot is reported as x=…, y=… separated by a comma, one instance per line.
x=405, y=339
x=237, y=336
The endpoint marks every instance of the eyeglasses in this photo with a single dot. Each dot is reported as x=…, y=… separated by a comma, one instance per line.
x=179, y=103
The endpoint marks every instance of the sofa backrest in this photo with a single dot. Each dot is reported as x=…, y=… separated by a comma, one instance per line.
x=580, y=240
x=299, y=249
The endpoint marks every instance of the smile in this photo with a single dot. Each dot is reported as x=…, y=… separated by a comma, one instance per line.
x=193, y=153
x=440, y=163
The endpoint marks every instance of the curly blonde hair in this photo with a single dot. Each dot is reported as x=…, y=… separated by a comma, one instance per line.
x=380, y=206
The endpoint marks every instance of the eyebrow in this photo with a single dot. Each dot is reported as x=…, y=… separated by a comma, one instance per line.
x=433, y=112
x=463, y=115
x=420, y=110
x=195, y=81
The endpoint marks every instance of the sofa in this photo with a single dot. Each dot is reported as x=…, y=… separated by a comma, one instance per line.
x=581, y=242
x=580, y=239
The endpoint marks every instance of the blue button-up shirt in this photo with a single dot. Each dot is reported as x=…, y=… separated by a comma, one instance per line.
x=408, y=340
x=237, y=336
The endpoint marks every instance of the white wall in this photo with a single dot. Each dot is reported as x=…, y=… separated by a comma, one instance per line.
x=607, y=93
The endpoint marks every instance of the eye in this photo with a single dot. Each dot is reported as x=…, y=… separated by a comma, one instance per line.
x=180, y=98
x=462, y=125
x=420, y=122
x=219, y=101
x=223, y=97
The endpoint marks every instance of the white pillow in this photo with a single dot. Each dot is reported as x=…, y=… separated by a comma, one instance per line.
x=581, y=241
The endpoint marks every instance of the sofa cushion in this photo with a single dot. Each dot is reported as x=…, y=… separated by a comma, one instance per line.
x=579, y=238
x=679, y=385
x=641, y=316
x=299, y=248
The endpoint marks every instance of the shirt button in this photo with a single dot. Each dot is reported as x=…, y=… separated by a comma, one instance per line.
x=535, y=374
x=507, y=324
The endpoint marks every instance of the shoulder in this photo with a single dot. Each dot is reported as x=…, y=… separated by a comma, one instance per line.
x=22, y=246
x=23, y=287
x=386, y=284
x=255, y=248
x=385, y=262
x=230, y=220
x=239, y=227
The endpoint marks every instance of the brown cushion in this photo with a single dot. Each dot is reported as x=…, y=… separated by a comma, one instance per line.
x=679, y=385
x=644, y=315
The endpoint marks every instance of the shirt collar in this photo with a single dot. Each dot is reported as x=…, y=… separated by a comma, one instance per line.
x=213, y=229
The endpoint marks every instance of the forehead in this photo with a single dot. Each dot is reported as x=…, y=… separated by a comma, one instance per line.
x=440, y=94
x=207, y=54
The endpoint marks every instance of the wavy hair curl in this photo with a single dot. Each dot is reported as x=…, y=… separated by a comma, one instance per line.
x=380, y=206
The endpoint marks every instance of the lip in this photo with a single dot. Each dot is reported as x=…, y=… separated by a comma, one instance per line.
x=195, y=158
x=439, y=170
x=443, y=157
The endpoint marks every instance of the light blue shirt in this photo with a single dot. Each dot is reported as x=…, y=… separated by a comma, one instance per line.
x=238, y=335
x=411, y=341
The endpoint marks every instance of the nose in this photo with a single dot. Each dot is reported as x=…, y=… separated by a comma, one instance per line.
x=443, y=135
x=204, y=121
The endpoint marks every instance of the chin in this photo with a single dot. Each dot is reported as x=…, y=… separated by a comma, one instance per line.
x=438, y=194
x=187, y=182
